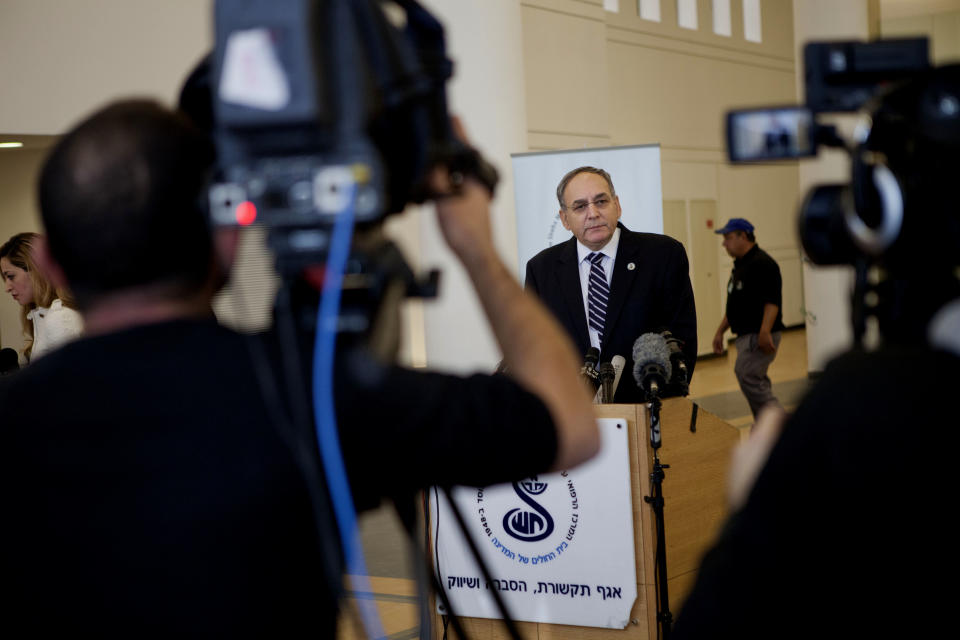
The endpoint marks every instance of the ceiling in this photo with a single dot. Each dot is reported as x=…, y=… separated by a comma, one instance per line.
x=29, y=142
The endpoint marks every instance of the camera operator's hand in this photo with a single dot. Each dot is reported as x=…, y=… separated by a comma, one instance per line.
x=537, y=352
x=463, y=209
x=464, y=216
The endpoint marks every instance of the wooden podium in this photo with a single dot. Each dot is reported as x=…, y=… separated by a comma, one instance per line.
x=694, y=508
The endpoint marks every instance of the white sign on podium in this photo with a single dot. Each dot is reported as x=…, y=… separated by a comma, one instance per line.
x=559, y=546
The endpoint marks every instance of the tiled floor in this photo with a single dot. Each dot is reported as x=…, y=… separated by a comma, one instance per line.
x=714, y=388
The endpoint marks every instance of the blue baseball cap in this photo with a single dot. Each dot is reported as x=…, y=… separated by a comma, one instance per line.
x=736, y=224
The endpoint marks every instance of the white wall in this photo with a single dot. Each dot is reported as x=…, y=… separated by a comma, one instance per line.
x=60, y=59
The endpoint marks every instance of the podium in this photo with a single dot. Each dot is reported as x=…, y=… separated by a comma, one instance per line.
x=697, y=446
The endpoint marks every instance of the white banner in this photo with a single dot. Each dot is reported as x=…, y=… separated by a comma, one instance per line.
x=559, y=546
x=635, y=172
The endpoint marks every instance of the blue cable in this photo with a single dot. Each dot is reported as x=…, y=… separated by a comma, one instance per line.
x=326, y=421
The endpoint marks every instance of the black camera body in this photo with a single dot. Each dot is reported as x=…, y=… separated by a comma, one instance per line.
x=322, y=110
x=291, y=140
x=316, y=106
x=896, y=221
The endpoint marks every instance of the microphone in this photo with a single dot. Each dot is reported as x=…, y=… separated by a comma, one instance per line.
x=651, y=364
x=589, y=368
x=675, y=347
x=608, y=384
x=607, y=375
x=9, y=361
x=618, y=362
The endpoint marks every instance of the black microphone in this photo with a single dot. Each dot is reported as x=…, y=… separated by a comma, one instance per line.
x=589, y=368
x=9, y=361
x=651, y=364
x=607, y=375
x=681, y=377
x=603, y=396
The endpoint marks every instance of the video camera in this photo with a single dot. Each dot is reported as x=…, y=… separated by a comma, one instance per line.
x=321, y=108
x=327, y=116
x=896, y=221
x=319, y=105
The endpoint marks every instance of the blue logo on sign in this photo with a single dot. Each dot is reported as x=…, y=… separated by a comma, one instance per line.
x=524, y=524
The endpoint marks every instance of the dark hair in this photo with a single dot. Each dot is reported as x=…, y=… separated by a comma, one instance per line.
x=749, y=235
x=119, y=197
x=570, y=176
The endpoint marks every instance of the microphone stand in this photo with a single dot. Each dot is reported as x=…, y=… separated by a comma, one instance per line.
x=655, y=500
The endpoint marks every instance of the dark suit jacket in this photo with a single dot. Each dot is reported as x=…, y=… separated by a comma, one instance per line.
x=655, y=295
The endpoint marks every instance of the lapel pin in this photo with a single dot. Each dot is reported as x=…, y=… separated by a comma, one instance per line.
x=631, y=266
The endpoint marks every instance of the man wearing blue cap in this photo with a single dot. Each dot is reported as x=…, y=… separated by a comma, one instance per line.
x=753, y=312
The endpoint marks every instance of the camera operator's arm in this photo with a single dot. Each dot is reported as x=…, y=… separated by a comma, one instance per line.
x=538, y=353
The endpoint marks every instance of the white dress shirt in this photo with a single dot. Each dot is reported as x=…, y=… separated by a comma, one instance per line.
x=609, y=252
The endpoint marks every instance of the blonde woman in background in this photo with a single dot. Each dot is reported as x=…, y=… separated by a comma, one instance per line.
x=47, y=314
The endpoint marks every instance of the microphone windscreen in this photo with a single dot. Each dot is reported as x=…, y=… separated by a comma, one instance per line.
x=651, y=348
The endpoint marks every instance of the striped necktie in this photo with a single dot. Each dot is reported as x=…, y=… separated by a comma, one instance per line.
x=598, y=294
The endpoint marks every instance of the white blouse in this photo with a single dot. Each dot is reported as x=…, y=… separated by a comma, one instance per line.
x=52, y=327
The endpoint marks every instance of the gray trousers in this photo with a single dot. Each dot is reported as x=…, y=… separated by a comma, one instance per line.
x=751, y=371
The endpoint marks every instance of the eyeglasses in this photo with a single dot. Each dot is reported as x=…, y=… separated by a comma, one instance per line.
x=581, y=207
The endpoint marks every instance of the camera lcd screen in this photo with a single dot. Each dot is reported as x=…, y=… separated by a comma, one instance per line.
x=770, y=134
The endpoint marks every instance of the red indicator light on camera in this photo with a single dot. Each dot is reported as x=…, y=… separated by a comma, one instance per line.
x=246, y=213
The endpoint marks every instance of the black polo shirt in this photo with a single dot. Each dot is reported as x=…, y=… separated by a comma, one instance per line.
x=755, y=281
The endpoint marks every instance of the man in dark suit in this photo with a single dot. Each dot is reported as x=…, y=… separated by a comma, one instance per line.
x=608, y=285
